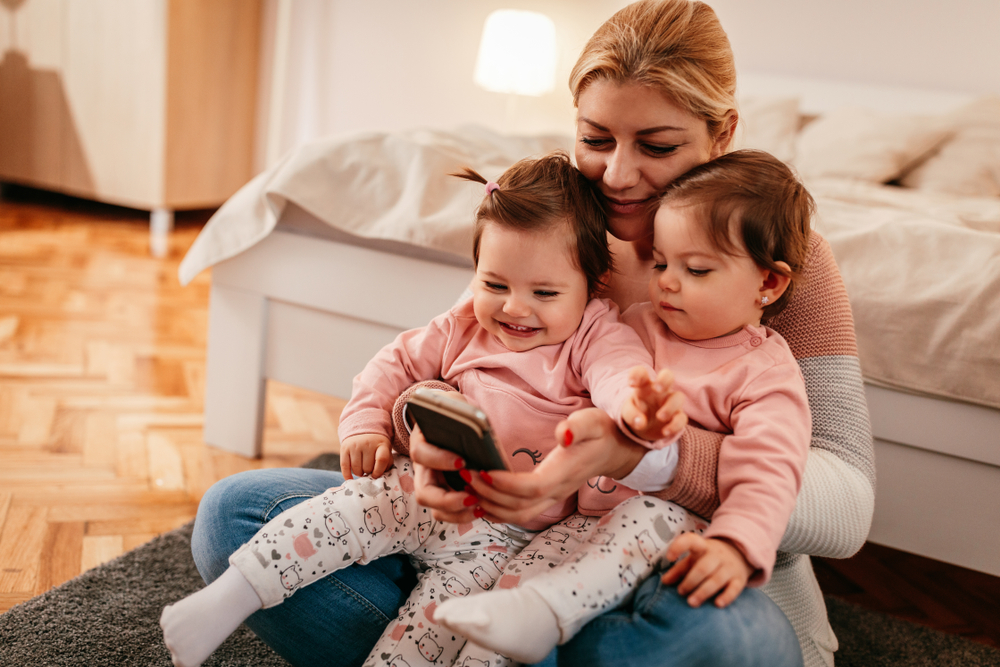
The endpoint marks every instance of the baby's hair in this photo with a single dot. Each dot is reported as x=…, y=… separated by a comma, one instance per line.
x=751, y=201
x=536, y=194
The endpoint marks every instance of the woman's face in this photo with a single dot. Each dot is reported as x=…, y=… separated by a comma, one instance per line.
x=632, y=140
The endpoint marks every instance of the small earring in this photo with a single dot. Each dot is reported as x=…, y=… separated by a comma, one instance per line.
x=764, y=301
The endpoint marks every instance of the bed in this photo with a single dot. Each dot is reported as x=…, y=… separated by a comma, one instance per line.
x=323, y=259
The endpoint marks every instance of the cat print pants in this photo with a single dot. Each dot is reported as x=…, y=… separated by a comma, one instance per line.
x=362, y=520
x=584, y=566
x=626, y=546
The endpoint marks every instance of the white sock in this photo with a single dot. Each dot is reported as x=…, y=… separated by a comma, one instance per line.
x=195, y=626
x=515, y=622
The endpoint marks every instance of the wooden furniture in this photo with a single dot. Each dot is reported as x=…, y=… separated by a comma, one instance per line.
x=141, y=103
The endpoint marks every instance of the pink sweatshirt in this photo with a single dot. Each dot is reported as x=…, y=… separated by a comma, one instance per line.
x=525, y=394
x=747, y=385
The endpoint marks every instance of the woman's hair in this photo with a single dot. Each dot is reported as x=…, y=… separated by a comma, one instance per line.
x=675, y=46
x=536, y=194
x=750, y=201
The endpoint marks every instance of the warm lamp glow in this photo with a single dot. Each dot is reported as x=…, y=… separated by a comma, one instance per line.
x=517, y=53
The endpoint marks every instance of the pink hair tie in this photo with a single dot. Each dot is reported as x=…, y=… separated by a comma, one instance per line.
x=490, y=187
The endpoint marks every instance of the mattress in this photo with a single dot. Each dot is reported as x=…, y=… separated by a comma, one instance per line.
x=923, y=274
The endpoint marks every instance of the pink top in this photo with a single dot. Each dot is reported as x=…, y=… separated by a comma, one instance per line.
x=747, y=385
x=525, y=394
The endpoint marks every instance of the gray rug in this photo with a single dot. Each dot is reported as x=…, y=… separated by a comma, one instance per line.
x=108, y=617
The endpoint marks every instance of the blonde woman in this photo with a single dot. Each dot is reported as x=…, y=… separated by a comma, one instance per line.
x=655, y=96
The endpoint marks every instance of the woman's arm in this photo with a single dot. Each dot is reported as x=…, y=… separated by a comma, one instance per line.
x=596, y=447
x=834, y=509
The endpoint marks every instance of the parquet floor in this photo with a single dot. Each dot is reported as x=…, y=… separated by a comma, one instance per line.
x=102, y=359
x=101, y=379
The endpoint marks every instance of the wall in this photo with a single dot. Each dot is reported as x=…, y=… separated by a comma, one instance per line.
x=922, y=43
x=385, y=64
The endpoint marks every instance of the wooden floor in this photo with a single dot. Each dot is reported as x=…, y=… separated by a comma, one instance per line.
x=102, y=363
x=102, y=358
x=953, y=600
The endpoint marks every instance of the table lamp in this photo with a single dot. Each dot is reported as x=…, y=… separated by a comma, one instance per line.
x=517, y=55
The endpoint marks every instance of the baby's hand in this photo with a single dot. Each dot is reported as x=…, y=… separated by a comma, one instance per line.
x=365, y=454
x=653, y=411
x=711, y=565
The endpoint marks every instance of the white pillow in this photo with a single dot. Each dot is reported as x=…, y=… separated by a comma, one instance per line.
x=865, y=145
x=969, y=163
x=769, y=124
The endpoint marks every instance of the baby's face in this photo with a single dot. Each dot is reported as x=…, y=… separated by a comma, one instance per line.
x=698, y=291
x=528, y=291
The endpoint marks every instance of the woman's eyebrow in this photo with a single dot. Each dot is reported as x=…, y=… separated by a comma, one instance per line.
x=597, y=126
x=662, y=128
x=650, y=130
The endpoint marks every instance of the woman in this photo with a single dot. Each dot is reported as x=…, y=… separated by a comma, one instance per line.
x=654, y=89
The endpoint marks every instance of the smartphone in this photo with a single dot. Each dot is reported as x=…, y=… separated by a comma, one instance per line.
x=458, y=427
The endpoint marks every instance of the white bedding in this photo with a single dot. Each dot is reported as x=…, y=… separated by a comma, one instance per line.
x=923, y=274
x=922, y=268
x=392, y=186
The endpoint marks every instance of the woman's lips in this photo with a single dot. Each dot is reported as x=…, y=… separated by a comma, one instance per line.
x=517, y=329
x=627, y=206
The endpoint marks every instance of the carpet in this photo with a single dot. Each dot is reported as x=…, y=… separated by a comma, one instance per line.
x=108, y=617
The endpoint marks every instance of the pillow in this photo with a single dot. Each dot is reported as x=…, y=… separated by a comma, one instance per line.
x=969, y=163
x=769, y=124
x=865, y=145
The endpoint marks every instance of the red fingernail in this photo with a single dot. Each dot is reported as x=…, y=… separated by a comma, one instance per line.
x=459, y=463
x=479, y=512
x=485, y=476
x=568, y=438
x=465, y=475
x=470, y=501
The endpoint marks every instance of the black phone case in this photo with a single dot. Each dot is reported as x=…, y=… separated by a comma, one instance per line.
x=457, y=427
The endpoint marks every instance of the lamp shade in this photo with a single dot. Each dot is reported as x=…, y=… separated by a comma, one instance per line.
x=517, y=53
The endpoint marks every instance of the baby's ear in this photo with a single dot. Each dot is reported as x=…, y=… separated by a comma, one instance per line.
x=602, y=285
x=775, y=284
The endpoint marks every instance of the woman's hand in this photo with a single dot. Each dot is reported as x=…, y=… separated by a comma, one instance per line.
x=430, y=488
x=590, y=445
x=711, y=565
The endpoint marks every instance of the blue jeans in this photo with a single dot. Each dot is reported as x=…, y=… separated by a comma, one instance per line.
x=338, y=619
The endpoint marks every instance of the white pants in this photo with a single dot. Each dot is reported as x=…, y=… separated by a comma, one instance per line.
x=545, y=551
x=365, y=519
x=584, y=566
x=625, y=546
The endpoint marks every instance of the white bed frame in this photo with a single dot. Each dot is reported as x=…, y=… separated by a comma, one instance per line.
x=311, y=311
